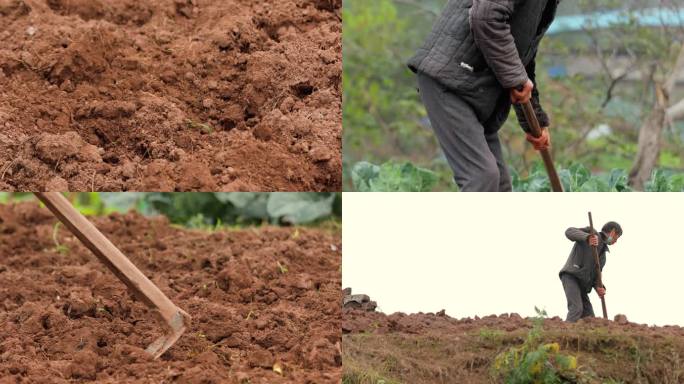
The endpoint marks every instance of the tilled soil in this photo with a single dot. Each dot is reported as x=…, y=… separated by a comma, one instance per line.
x=164, y=95
x=260, y=299
x=435, y=348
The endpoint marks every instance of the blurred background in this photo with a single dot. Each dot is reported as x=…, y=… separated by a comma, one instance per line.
x=211, y=210
x=610, y=74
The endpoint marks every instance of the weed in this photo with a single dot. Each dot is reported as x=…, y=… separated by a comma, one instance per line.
x=491, y=335
x=62, y=249
x=283, y=268
x=358, y=377
x=536, y=362
x=204, y=128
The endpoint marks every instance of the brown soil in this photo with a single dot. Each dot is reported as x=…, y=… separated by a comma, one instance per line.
x=170, y=95
x=65, y=318
x=435, y=348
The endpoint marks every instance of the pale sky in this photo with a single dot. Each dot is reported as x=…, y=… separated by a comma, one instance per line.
x=481, y=254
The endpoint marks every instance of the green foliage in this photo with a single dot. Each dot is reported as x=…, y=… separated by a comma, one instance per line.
x=392, y=177
x=357, y=377
x=406, y=177
x=595, y=118
x=535, y=362
x=382, y=110
x=244, y=208
x=664, y=181
x=578, y=178
x=210, y=210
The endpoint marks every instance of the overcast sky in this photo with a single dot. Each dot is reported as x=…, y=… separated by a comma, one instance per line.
x=482, y=254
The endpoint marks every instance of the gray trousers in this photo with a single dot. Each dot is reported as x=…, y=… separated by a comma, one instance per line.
x=579, y=305
x=474, y=156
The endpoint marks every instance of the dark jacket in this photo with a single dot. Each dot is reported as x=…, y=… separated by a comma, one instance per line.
x=581, y=263
x=485, y=47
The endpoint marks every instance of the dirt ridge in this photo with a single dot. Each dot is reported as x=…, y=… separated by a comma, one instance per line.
x=436, y=348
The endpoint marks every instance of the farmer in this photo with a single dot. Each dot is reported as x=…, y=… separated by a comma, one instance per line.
x=480, y=58
x=579, y=273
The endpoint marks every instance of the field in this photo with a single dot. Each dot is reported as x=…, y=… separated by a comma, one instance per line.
x=264, y=303
x=435, y=348
x=164, y=95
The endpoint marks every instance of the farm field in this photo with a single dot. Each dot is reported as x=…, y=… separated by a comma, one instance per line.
x=170, y=95
x=435, y=348
x=264, y=303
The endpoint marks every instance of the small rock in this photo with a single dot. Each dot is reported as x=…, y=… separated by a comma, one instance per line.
x=207, y=103
x=621, y=319
x=57, y=184
x=31, y=30
x=212, y=85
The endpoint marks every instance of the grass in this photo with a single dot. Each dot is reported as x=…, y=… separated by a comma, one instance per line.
x=492, y=335
x=62, y=249
x=610, y=355
x=204, y=128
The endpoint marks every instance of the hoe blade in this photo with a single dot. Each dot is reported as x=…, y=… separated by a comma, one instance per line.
x=174, y=317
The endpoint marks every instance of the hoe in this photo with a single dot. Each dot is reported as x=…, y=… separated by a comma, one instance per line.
x=536, y=131
x=174, y=317
x=599, y=278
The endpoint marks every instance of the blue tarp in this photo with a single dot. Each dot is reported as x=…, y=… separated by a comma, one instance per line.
x=646, y=17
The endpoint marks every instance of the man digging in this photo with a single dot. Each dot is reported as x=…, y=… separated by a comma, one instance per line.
x=477, y=61
x=579, y=275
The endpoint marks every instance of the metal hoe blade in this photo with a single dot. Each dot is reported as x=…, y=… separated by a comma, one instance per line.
x=174, y=317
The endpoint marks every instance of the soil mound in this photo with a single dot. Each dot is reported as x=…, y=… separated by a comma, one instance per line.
x=247, y=92
x=259, y=299
x=436, y=348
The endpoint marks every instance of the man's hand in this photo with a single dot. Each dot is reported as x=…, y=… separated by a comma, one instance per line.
x=523, y=94
x=601, y=291
x=542, y=142
x=593, y=240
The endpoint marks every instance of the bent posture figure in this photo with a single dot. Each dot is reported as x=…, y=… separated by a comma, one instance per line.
x=478, y=60
x=579, y=274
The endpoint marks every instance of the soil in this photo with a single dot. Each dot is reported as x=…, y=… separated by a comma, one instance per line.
x=435, y=348
x=164, y=95
x=260, y=299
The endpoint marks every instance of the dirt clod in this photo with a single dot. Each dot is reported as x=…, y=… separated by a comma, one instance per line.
x=65, y=316
x=54, y=148
x=127, y=76
x=56, y=184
